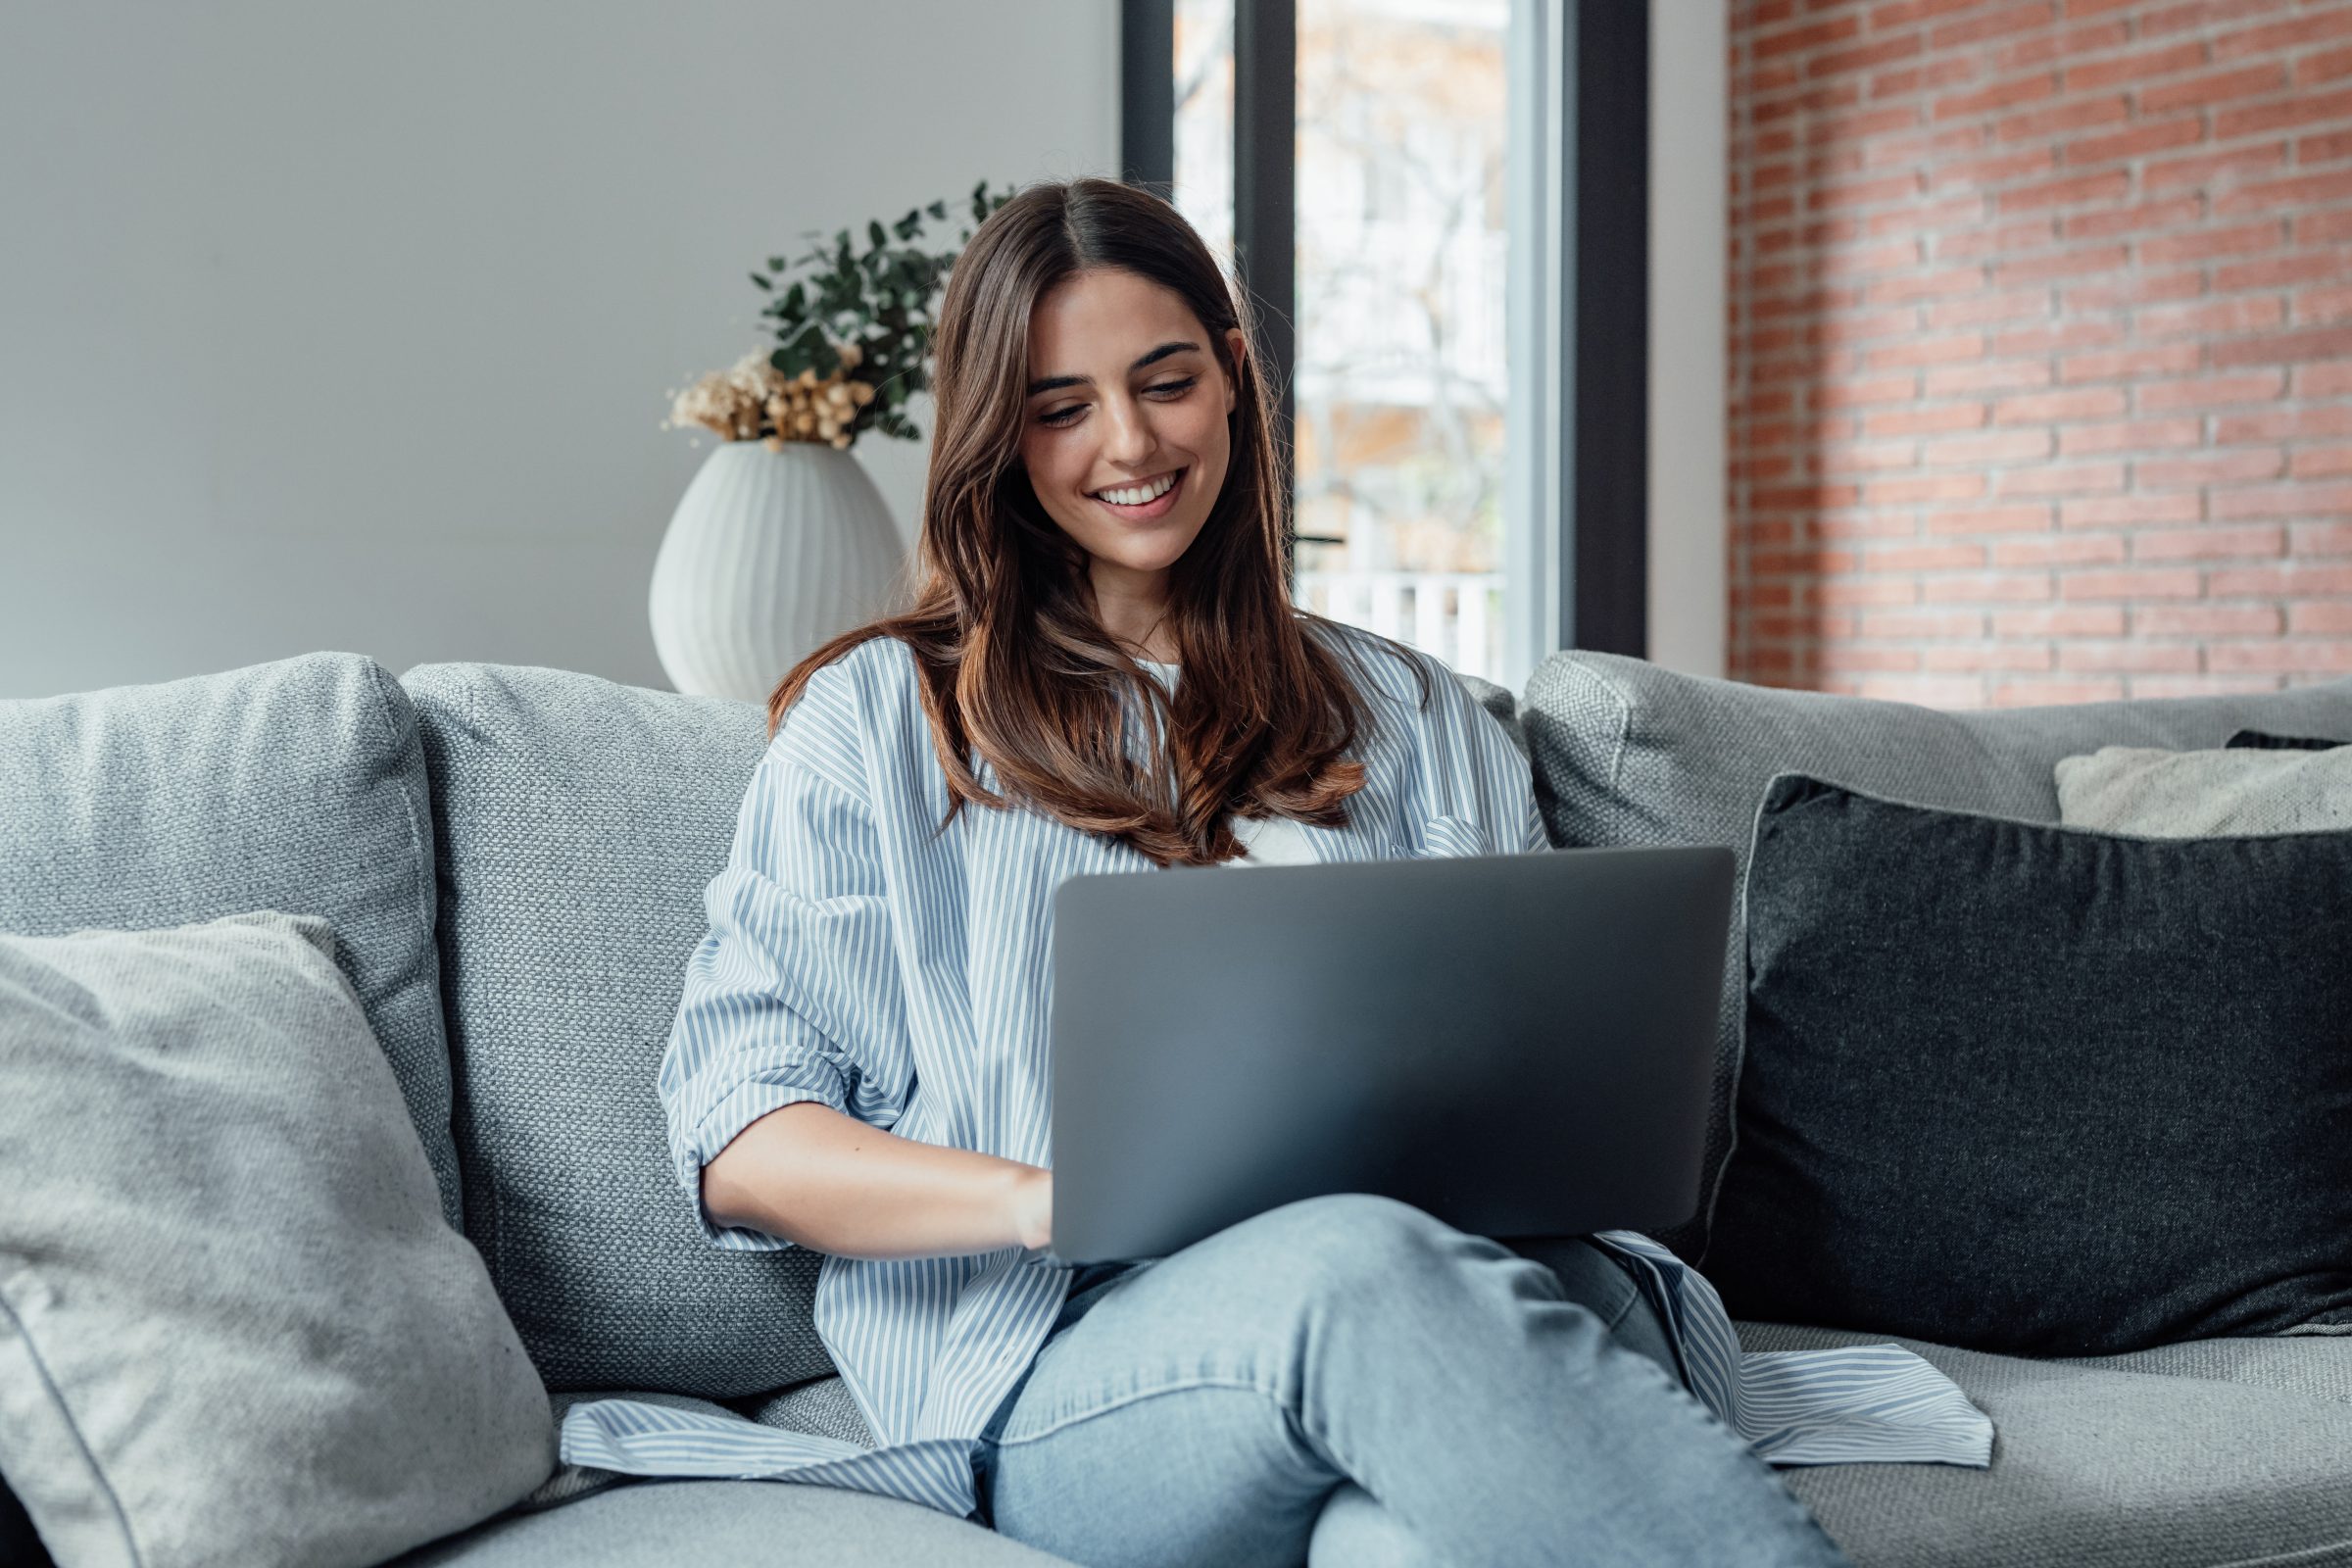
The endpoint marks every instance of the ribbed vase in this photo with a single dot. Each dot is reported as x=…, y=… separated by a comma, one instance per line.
x=769, y=554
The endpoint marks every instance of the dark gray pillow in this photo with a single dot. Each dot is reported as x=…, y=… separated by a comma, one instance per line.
x=1627, y=751
x=2259, y=740
x=2035, y=1088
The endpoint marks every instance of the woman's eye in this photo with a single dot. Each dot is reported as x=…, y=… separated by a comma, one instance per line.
x=1183, y=385
x=1064, y=416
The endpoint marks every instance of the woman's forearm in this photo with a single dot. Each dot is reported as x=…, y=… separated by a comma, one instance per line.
x=834, y=1184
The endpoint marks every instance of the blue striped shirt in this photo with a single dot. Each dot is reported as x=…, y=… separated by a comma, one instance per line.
x=854, y=959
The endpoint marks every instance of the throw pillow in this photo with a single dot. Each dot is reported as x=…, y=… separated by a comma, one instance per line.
x=2239, y=790
x=2035, y=1089
x=2283, y=743
x=1627, y=751
x=234, y=1325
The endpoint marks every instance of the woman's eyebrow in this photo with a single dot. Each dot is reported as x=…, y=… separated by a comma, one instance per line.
x=1049, y=383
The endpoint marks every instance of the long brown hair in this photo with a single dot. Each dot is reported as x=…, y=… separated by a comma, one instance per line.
x=1013, y=662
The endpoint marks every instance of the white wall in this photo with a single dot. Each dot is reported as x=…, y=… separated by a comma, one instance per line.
x=343, y=326
x=1687, y=238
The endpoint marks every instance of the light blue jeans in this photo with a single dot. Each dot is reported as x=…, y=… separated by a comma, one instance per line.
x=1347, y=1380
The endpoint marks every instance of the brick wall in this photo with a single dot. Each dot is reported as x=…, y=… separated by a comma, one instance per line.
x=2040, y=347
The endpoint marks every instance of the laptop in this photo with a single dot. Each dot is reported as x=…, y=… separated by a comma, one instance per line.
x=1521, y=1045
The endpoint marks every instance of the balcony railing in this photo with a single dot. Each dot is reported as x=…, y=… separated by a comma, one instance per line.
x=1457, y=615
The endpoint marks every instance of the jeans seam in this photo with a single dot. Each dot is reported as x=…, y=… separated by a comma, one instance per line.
x=1007, y=1440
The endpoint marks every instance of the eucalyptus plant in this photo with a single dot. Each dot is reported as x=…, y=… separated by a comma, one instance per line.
x=880, y=302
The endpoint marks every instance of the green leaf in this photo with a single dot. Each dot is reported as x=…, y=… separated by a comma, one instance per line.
x=937, y=209
x=761, y=281
x=873, y=232
x=795, y=299
x=775, y=264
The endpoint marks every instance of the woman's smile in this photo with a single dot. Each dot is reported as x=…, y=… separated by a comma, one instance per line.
x=1159, y=506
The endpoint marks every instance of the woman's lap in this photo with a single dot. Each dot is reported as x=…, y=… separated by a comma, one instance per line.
x=1243, y=1400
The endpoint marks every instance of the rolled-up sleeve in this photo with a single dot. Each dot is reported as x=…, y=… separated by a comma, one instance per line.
x=793, y=994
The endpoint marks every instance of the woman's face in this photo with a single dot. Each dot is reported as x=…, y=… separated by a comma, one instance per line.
x=1127, y=391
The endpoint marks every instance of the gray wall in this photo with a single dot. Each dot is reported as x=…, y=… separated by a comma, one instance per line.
x=343, y=327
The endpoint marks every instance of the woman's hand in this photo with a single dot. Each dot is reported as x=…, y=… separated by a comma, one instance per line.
x=1033, y=1207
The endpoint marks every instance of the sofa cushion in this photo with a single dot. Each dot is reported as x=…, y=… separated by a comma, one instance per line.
x=234, y=1324
x=2220, y=1452
x=2038, y=1089
x=296, y=785
x=730, y=1524
x=582, y=821
x=1626, y=752
x=2234, y=790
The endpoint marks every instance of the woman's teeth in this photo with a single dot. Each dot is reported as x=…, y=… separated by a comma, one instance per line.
x=1137, y=495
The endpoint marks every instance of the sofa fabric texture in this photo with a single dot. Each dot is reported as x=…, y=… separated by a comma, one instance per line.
x=1627, y=752
x=2220, y=1453
x=296, y=785
x=2236, y=790
x=582, y=820
x=2038, y=1089
x=234, y=1324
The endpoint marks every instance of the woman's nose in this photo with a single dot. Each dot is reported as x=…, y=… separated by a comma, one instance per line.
x=1128, y=437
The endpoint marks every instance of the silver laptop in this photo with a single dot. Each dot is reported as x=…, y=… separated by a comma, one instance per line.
x=1522, y=1045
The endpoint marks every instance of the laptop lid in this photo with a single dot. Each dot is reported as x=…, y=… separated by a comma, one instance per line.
x=1521, y=1045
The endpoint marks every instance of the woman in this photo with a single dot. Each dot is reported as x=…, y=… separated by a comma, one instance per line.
x=1102, y=672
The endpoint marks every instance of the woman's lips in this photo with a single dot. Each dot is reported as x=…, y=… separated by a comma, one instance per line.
x=1158, y=506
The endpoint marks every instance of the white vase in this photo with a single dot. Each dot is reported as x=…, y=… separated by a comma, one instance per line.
x=768, y=555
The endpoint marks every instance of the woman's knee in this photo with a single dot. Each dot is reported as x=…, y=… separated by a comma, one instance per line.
x=1344, y=1244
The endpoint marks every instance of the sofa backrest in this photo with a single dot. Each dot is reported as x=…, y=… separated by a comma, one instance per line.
x=295, y=785
x=1628, y=753
x=580, y=821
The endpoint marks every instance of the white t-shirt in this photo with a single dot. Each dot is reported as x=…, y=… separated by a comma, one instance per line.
x=1268, y=841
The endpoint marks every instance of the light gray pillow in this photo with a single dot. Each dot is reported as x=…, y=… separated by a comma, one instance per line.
x=2168, y=794
x=235, y=1327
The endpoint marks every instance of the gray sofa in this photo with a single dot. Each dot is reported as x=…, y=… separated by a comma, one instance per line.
x=514, y=858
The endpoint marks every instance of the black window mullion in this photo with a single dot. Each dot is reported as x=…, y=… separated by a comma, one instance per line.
x=1265, y=210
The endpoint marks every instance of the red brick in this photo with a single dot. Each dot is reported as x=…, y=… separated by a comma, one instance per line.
x=2071, y=264
x=2126, y=511
x=1990, y=519
x=1923, y=624
x=2206, y=544
x=2208, y=392
x=2097, y=620
x=2242, y=315
x=2325, y=304
x=2128, y=363
x=2279, y=582
x=1998, y=375
x=2205, y=685
x=2305, y=191
x=2136, y=291
x=1850, y=655
x=2333, y=66
x=1862, y=57
x=1983, y=308
x=2208, y=166
x=1875, y=457
x=2080, y=403
x=2324, y=617
x=2138, y=435
x=2316, y=343
x=2322, y=380
x=2199, y=93
x=2087, y=478
x=2222, y=468
x=2325, y=149
x=2324, y=227
x=2051, y=46
x=2032, y=693
x=1928, y=351
x=1994, y=23
x=1789, y=40
x=1908, y=79
x=1996, y=239
x=2000, y=95
x=2334, y=23
x=2079, y=115
x=2075, y=189
x=2322, y=463
x=1895, y=290
x=2161, y=657
x=1926, y=487
x=2205, y=244
x=1856, y=393
x=2139, y=67
x=2059, y=549
x=2132, y=582
x=2276, y=271
x=1917, y=421
x=2008, y=587
x=1925, y=557
x=1864, y=591
x=2136, y=142
x=1998, y=656
x=2205, y=620
x=2285, y=501
x=1903, y=13
x=1864, y=525
x=1995, y=169
x=2285, y=424
x=2299, y=109
x=2330, y=656
x=1999, y=447
x=2170, y=214
x=1865, y=192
